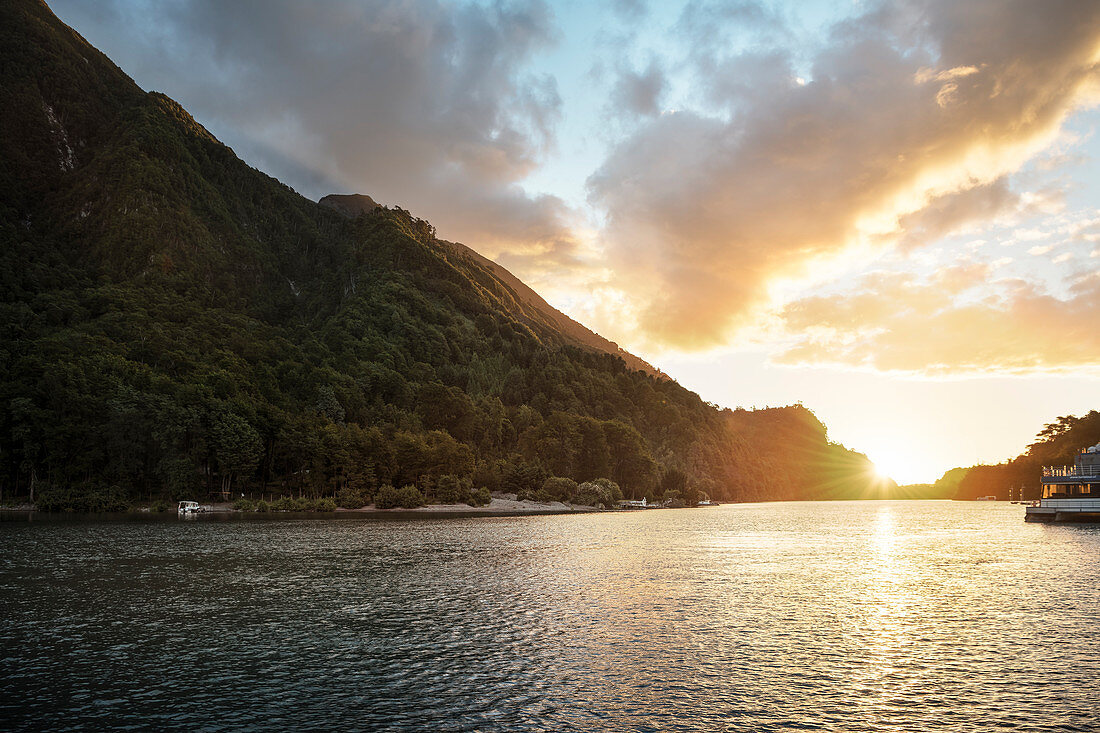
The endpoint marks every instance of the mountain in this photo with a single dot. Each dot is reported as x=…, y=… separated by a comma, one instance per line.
x=176, y=322
x=524, y=301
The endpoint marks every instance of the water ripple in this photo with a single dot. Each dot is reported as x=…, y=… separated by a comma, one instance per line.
x=875, y=616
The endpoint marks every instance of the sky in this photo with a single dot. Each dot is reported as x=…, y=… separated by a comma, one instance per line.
x=887, y=212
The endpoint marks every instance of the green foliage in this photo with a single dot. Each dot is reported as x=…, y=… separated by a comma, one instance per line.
x=523, y=478
x=174, y=321
x=559, y=488
x=159, y=507
x=351, y=498
x=244, y=505
x=286, y=504
x=450, y=489
x=609, y=489
x=95, y=498
x=480, y=497
x=407, y=497
x=1056, y=445
x=262, y=507
x=324, y=505
x=601, y=492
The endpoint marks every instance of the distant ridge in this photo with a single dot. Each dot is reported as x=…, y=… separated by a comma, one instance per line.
x=352, y=205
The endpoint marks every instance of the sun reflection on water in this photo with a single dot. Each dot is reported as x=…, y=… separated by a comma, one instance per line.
x=885, y=630
x=829, y=616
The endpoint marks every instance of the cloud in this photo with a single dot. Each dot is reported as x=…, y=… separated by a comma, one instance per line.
x=423, y=104
x=638, y=93
x=913, y=115
x=951, y=212
x=630, y=10
x=897, y=322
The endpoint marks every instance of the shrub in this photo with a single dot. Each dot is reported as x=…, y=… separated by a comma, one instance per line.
x=350, y=498
x=160, y=506
x=612, y=491
x=244, y=505
x=559, y=488
x=481, y=497
x=386, y=498
x=601, y=492
x=408, y=497
x=263, y=507
x=325, y=505
x=284, y=504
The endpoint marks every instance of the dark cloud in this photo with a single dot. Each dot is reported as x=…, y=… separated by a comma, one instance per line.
x=630, y=10
x=911, y=116
x=422, y=104
x=638, y=93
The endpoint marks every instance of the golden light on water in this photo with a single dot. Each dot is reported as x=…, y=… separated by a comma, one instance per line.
x=885, y=629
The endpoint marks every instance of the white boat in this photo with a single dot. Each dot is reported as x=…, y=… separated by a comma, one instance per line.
x=188, y=507
x=1070, y=493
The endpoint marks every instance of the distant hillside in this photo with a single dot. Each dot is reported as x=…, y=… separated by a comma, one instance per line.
x=1055, y=445
x=177, y=324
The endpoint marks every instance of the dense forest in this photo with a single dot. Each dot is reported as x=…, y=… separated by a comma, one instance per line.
x=1055, y=445
x=177, y=324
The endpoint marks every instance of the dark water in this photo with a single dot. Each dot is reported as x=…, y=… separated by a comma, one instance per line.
x=830, y=616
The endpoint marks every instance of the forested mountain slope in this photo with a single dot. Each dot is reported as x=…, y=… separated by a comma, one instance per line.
x=525, y=300
x=1056, y=444
x=175, y=322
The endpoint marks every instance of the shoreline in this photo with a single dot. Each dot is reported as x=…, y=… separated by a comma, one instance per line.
x=498, y=507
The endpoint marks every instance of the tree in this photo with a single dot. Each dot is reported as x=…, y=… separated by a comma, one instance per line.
x=235, y=444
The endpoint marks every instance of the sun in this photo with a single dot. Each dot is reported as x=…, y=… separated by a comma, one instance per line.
x=904, y=467
x=881, y=472
x=889, y=464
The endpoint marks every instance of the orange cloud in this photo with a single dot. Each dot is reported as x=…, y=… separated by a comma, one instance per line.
x=895, y=322
x=913, y=116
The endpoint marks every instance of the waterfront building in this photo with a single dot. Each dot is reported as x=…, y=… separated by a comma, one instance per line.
x=1070, y=493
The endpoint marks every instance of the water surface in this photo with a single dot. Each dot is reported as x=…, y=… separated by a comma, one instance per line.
x=841, y=616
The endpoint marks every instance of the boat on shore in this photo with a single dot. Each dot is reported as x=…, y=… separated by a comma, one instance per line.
x=1070, y=493
x=188, y=507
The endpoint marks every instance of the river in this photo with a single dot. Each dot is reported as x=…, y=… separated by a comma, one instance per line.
x=842, y=616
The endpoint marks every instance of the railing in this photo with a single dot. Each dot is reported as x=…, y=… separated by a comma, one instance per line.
x=1078, y=505
x=1069, y=472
